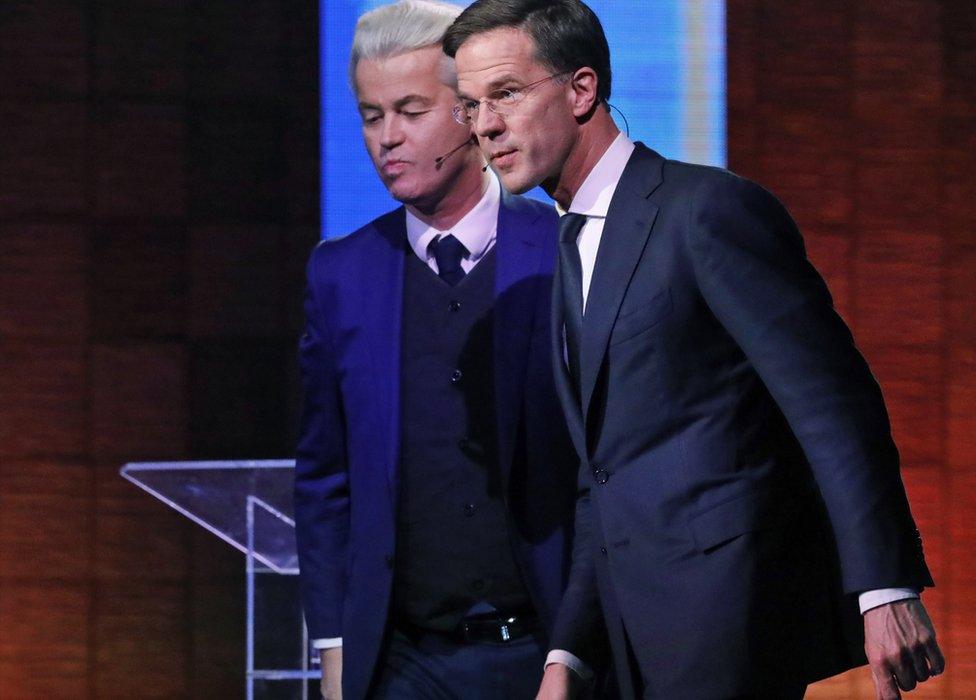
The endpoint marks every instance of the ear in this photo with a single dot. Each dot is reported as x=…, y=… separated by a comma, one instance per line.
x=584, y=84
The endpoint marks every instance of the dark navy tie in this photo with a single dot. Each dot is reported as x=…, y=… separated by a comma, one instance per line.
x=571, y=273
x=448, y=252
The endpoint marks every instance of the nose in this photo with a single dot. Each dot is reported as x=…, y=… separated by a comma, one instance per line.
x=392, y=134
x=488, y=124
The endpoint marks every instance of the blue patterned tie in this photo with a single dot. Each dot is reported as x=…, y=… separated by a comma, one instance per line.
x=448, y=252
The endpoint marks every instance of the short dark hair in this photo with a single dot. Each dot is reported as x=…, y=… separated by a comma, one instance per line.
x=567, y=33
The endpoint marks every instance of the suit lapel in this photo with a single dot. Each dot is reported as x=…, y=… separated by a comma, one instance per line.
x=625, y=233
x=519, y=248
x=382, y=305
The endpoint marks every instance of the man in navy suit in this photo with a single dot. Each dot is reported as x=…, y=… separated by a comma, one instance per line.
x=435, y=479
x=740, y=495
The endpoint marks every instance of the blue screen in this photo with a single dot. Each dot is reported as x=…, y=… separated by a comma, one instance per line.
x=668, y=61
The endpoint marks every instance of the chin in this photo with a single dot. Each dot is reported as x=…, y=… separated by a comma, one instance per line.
x=402, y=192
x=515, y=183
x=412, y=197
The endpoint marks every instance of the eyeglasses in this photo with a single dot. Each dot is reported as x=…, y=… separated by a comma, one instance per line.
x=502, y=102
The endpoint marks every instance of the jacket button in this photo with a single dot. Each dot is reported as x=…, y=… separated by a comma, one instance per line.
x=601, y=476
x=603, y=550
x=456, y=376
x=454, y=306
x=389, y=561
x=469, y=509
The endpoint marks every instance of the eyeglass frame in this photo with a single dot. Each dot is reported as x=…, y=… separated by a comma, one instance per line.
x=460, y=112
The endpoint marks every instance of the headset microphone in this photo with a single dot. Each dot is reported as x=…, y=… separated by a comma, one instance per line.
x=441, y=159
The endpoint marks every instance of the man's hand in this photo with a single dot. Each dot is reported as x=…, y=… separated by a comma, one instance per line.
x=331, y=660
x=559, y=682
x=900, y=644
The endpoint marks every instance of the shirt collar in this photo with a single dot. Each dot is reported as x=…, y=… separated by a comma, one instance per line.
x=476, y=230
x=594, y=195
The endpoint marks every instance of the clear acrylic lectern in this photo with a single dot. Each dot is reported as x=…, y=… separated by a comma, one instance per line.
x=248, y=504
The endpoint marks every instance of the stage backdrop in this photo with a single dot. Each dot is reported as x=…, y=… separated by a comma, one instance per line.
x=669, y=83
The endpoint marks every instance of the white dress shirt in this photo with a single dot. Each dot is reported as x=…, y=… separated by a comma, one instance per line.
x=593, y=201
x=476, y=230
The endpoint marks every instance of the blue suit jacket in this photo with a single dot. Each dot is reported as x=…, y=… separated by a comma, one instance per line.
x=348, y=451
x=739, y=483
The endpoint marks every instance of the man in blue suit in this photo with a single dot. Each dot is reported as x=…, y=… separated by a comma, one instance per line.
x=435, y=478
x=740, y=495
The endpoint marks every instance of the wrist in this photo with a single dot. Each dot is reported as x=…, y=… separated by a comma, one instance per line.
x=560, y=681
x=558, y=668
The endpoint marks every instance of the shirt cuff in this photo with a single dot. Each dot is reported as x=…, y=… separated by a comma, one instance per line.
x=330, y=643
x=882, y=596
x=558, y=656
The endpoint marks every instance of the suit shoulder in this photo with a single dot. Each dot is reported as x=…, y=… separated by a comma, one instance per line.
x=353, y=246
x=719, y=204
x=710, y=185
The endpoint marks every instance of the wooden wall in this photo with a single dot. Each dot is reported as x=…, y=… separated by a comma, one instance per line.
x=862, y=117
x=158, y=198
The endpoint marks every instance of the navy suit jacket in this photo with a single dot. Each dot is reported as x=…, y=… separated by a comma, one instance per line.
x=348, y=452
x=738, y=483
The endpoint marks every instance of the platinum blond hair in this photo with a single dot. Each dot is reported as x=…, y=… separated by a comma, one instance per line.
x=400, y=27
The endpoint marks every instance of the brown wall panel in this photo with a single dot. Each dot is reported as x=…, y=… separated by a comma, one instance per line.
x=236, y=281
x=44, y=651
x=866, y=129
x=961, y=418
x=43, y=160
x=46, y=521
x=899, y=285
x=158, y=192
x=138, y=161
x=43, y=399
x=34, y=66
x=44, y=282
x=137, y=538
x=136, y=57
x=138, y=281
x=138, y=401
x=217, y=632
x=141, y=640
x=242, y=61
x=235, y=148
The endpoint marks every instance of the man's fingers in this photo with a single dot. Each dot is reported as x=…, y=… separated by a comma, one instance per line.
x=919, y=663
x=905, y=674
x=884, y=684
x=936, y=660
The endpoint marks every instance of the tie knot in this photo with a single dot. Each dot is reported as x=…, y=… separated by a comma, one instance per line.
x=569, y=227
x=448, y=252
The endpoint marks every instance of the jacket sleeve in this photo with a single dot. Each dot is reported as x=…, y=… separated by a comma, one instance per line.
x=321, y=479
x=752, y=271
x=579, y=627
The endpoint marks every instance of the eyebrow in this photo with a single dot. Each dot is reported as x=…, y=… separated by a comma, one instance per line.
x=496, y=83
x=399, y=104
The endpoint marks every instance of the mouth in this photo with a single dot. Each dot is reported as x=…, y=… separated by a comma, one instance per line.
x=503, y=159
x=394, y=167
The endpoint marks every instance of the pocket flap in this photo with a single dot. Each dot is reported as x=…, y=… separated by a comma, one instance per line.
x=749, y=513
x=639, y=320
